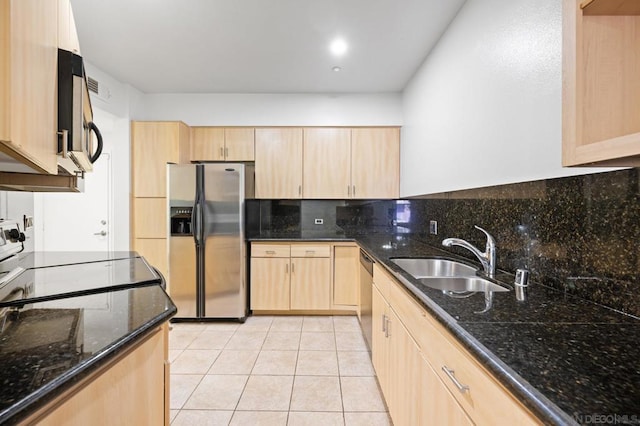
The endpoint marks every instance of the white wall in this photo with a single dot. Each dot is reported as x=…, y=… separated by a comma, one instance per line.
x=485, y=106
x=272, y=109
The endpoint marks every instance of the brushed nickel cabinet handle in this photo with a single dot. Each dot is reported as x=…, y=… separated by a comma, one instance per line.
x=451, y=374
x=388, y=330
x=271, y=252
x=293, y=268
x=221, y=152
x=226, y=152
x=354, y=190
x=310, y=251
x=384, y=324
x=299, y=189
x=286, y=268
x=348, y=190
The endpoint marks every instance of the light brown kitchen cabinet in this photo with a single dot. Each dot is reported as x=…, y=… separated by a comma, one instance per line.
x=310, y=283
x=467, y=392
x=601, y=88
x=375, y=162
x=346, y=276
x=437, y=405
x=67, y=34
x=327, y=163
x=290, y=276
x=222, y=144
x=150, y=216
x=270, y=283
x=28, y=81
x=153, y=145
x=404, y=383
x=132, y=389
x=278, y=168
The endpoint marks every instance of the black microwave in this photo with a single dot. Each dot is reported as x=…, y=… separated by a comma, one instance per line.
x=75, y=117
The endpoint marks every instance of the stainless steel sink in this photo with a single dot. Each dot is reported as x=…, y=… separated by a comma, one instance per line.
x=426, y=267
x=461, y=284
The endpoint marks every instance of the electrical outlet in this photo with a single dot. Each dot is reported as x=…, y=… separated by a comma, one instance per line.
x=318, y=221
x=433, y=227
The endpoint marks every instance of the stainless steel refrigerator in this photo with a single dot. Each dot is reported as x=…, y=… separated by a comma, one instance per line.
x=207, y=248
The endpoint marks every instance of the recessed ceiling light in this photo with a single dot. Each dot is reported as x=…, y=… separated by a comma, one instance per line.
x=336, y=69
x=338, y=47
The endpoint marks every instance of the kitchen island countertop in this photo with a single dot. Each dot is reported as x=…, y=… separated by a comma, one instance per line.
x=46, y=347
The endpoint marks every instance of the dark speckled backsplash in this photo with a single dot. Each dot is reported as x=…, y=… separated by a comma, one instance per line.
x=578, y=234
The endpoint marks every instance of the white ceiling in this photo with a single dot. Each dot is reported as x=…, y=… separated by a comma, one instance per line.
x=260, y=46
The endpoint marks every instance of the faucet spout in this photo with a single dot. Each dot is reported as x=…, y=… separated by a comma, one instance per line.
x=486, y=258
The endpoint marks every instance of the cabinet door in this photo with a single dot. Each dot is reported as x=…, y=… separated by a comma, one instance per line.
x=278, y=165
x=327, y=163
x=207, y=144
x=346, y=275
x=67, y=35
x=150, y=217
x=270, y=288
x=154, y=144
x=310, y=283
x=404, y=384
x=437, y=406
x=239, y=144
x=379, y=341
x=28, y=82
x=375, y=162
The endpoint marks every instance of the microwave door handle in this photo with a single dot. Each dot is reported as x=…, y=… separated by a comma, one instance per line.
x=92, y=126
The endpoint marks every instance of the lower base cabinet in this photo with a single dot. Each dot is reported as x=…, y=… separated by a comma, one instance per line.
x=410, y=353
x=132, y=390
x=303, y=277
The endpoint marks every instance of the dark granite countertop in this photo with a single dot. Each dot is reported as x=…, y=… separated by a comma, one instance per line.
x=48, y=345
x=563, y=357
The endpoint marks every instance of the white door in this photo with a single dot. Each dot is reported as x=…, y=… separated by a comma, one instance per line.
x=80, y=221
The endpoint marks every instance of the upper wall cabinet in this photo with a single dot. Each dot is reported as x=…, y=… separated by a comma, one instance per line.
x=153, y=145
x=347, y=163
x=222, y=144
x=375, y=162
x=28, y=80
x=278, y=156
x=327, y=163
x=601, y=83
x=67, y=34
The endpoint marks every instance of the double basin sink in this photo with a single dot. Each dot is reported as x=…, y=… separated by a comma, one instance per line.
x=453, y=278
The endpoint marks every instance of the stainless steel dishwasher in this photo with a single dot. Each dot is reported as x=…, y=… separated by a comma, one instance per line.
x=366, y=289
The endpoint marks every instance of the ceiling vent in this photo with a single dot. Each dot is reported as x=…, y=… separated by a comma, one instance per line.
x=103, y=93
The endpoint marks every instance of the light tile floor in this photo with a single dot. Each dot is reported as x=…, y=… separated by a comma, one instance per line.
x=311, y=370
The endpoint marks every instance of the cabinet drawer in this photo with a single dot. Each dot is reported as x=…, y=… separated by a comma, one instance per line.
x=484, y=399
x=310, y=250
x=270, y=250
x=381, y=280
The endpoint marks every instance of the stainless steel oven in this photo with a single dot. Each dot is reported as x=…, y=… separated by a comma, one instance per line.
x=366, y=293
x=75, y=117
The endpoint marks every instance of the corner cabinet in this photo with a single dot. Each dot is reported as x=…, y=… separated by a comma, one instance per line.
x=601, y=84
x=375, y=162
x=153, y=145
x=304, y=276
x=28, y=82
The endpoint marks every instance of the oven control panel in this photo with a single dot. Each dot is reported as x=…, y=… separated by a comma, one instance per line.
x=11, y=238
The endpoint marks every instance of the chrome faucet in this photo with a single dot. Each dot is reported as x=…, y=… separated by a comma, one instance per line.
x=487, y=259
